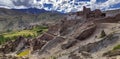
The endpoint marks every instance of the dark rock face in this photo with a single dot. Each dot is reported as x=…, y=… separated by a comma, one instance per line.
x=68, y=44
x=46, y=37
x=86, y=33
x=37, y=44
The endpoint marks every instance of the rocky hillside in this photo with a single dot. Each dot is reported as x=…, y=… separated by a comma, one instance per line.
x=18, y=20
x=82, y=35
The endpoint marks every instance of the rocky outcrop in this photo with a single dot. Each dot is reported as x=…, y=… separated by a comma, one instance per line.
x=51, y=44
x=46, y=37
x=88, y=31
x=68, y=44
x=14, y=46
x=39, y=42
x=93, y=47
x=63, y=27
x=80, y=33
x=112, y=53
x=22, y=43
x=67, y=26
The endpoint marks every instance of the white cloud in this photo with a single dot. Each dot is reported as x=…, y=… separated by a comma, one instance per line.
x=6, y=3
x=106, y=5
x=59, y=5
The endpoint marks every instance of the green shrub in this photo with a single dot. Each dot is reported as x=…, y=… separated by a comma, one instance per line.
x=103, y=34
x=116, y=47
x=53, y=57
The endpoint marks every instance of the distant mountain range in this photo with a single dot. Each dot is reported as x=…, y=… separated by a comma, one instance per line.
x=31, y=10
x=35, y=11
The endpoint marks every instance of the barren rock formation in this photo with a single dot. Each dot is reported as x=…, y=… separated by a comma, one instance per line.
x=86, y=32
x=68, y=44
x=93, y=47
x=51, y=44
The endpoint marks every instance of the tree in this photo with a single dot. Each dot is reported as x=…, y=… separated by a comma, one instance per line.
x=103, y=34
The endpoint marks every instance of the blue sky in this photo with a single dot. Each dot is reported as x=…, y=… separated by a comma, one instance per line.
x=61, y=5
x=101, y=1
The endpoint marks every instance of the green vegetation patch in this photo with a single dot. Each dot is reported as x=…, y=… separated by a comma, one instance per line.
x=103, y=34
x=31, y=33
x=116, y=47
